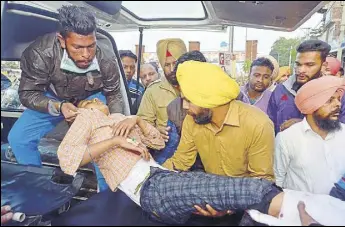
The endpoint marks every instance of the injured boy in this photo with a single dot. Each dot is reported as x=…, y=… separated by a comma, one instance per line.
x=118, y=145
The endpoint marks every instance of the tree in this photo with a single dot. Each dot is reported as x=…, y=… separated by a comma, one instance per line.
x=280, y=50
x=246, y=66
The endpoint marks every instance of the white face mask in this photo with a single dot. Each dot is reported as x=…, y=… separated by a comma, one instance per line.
x=69, y=65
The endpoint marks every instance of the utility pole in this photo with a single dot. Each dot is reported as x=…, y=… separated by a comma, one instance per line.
x=342, y=35
x=231, y=39
x=290, y=57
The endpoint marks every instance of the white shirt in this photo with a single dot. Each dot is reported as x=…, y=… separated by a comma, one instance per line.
x=131, y=185
x=305, y=162
x=324, y=209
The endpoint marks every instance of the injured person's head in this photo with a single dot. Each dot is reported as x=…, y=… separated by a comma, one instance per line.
x=94, y=104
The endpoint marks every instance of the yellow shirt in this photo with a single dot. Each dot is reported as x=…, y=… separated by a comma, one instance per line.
x=153, y=106
x=242, y=147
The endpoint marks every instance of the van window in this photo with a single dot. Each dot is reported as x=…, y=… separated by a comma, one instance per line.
x=10, y=77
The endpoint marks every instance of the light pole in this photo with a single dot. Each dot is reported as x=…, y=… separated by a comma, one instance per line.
x=342, y=35
x=290, y=57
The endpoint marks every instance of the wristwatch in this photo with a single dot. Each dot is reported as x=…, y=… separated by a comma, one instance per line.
x=60, y=105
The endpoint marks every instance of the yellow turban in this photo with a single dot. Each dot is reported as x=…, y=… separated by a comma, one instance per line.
x=206, y=85
x=170, y=47
x=283, y=71
x=275, y=72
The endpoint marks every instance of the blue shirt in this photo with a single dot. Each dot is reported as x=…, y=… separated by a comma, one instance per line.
x=132, y=87
x=135, y=95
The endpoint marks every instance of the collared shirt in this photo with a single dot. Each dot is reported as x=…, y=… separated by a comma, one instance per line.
x=93, y=126
x=305, y=161
x=242, y=147
x=261, y=102
x=153, y=107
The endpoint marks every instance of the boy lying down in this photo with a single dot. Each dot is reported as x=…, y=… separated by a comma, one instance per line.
x=170, y=196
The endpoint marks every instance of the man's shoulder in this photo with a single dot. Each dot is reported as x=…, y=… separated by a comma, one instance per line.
x=175, y=103
x=154, y=85
x=293, y=132
x=45, y=43
x=252, y=113
x=133, y=84
x=280, y=88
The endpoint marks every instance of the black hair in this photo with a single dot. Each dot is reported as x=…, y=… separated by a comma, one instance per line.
x=76, y=19
x=128, y=53
x=194, y=55
x=262, y=62
x=341, y=70
x=315, y=45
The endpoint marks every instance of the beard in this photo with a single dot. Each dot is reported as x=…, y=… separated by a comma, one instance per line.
x=326, y=124
x=296, y=86
x=172, y=79
x=203, y=118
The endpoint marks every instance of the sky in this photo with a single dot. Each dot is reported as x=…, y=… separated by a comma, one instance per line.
x=210, y=41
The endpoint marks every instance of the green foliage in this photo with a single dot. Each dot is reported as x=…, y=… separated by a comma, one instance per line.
x=280, y=50
x=246, y=66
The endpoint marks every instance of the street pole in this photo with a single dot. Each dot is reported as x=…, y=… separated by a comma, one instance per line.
x=290, y=57
x=278, y=59
x=342, y=35
x=231, y=39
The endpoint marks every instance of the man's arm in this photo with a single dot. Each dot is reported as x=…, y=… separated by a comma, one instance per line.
x=73, y=147
x=281, y=161
x=75, y=150
x=272, y=111
x=186, y=153
x=260, y=152
x=147, y=109
x=111, y=84
x=34, y=80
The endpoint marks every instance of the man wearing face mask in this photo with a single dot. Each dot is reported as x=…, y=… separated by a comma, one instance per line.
x=158, y=95
x=59, y=70
x=310, y=59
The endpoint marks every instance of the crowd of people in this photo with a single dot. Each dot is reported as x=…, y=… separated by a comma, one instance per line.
x=196, y=142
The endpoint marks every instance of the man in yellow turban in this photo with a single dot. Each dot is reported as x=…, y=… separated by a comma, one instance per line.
x=310, y=155
x=231, y=137
x=284, y=74
x=158, y=95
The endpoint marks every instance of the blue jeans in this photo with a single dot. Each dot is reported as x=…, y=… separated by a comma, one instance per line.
x=31, y=127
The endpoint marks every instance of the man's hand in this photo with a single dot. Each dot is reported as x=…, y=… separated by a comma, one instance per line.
x=306, y=219
x=124, y=127
x=6, y=216
x=210, y=212
x=69, y=111
x=132, y=146
x=164, y=132
x=287, y=124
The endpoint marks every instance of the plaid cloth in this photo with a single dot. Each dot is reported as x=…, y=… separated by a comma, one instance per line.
x=170, y=196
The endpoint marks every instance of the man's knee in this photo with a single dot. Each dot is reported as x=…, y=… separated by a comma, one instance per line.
x=15, y=136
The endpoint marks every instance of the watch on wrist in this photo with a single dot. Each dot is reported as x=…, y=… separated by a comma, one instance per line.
x=60, y=106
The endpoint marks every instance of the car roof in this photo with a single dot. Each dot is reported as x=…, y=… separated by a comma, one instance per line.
x=193, y=15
